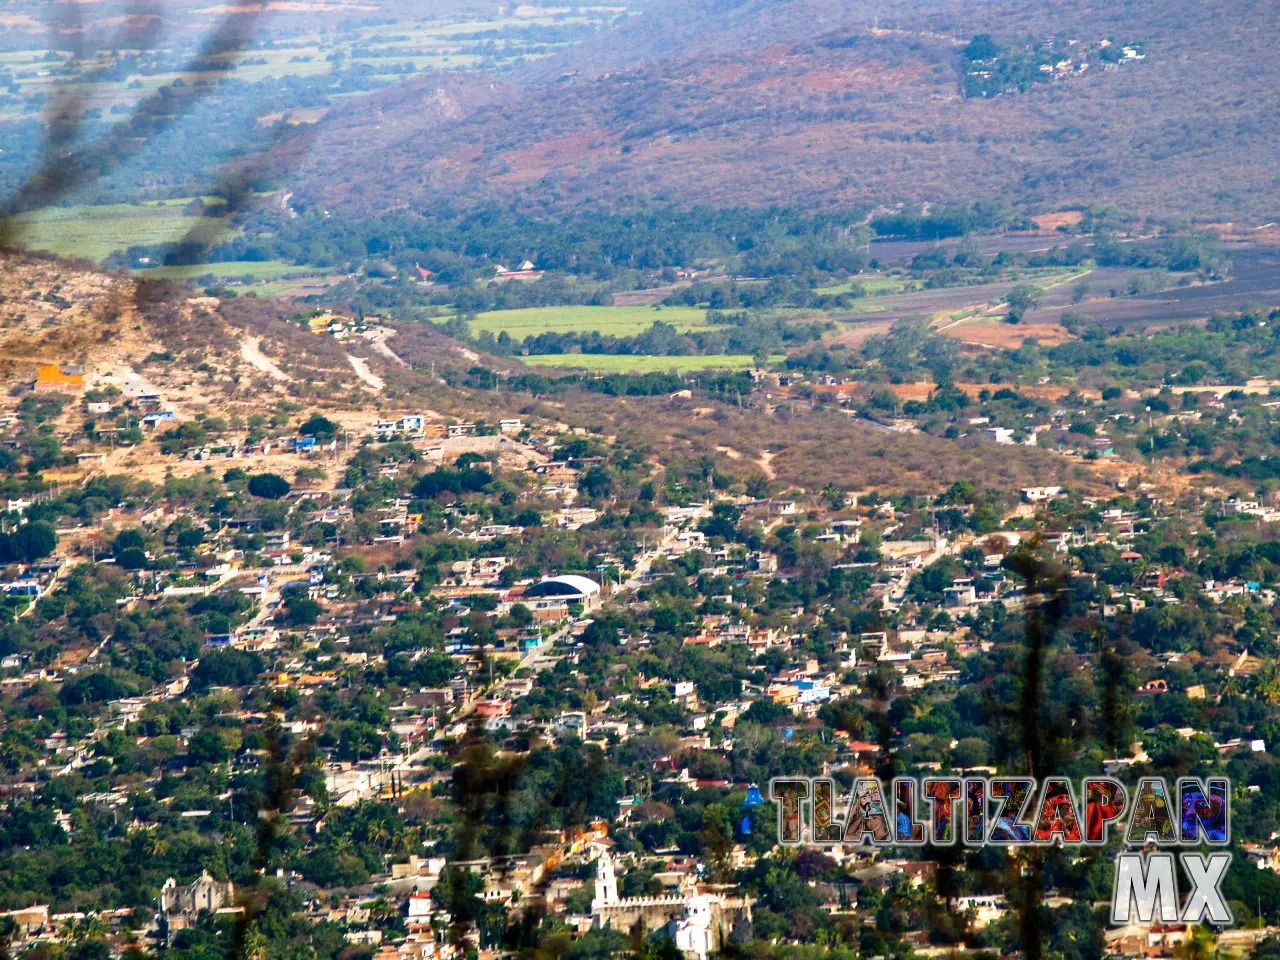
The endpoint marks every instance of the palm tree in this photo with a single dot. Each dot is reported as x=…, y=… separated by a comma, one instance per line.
x=379, y=832
x=1230, y=688
x=254, y=944
x=88, y=927
x=1267, y=685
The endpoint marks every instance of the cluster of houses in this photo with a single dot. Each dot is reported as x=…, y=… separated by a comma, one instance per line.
x=922, y=644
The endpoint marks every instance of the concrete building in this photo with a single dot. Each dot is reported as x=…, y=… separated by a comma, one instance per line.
x=571, y=589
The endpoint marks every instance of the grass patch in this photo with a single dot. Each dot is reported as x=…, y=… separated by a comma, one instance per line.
x=874, y=286
x=615, y=321
x=620, y=363
x=258, y=270
x=94, y=232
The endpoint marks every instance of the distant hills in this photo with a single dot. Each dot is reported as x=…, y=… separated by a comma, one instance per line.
x=822, y=103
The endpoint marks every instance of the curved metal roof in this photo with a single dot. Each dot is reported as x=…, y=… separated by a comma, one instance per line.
x=568, y=585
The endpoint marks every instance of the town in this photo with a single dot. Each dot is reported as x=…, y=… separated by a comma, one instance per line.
x=663, y=480
x=485, y=683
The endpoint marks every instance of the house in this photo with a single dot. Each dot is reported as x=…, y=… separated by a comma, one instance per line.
x=493, y=709
x=1039, y=494
x=419, y=908
x=412, y=425
x=526, y=270
x=29, y=921
x=52, y=378
x=987, y=908
x=1264, y=858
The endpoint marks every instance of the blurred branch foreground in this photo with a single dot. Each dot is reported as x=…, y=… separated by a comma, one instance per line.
x=73, y=154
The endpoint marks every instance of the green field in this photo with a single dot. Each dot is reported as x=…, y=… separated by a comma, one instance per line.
x=617, y=321
x=618, y=363
x=257, y=270
x=874, y=286
x=96, y=231
x=429, y=43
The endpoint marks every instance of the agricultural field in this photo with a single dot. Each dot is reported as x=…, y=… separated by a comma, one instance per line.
x=1254, y=278
x=618, y=363
x=874, y=286
x=383, y=51
x=95, y=232
x=257, y=271
x=615, y=321
x=945, y=302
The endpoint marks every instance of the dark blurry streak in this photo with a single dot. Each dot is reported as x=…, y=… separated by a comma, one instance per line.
x=1046, y=592
x=64, y=166
x=483, y=780
x=235, y=186
x=282, y=771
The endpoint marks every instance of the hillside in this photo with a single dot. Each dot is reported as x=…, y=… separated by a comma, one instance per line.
x=229, y=357
x=231, y=360
x=822, y=103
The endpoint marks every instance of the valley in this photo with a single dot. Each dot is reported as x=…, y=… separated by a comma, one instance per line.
x=470, y=466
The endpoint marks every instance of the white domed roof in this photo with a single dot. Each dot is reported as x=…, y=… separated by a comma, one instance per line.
x=568, y=585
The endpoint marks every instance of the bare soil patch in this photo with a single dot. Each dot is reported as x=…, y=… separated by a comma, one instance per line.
x=1007, y=336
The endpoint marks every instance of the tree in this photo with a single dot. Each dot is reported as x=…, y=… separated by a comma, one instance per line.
x=269, y=486
x=834, y=496
x=1023, y=297
x=765, y=712
x=226, y=668
x=206, y=748
x=91, y=688
x=28, y=543
x=716, y=839
x=596, y=482
x=320, y=427
x=1267, y=685
x=301, y=611
x=601, y=633
x=970, y=752
x=982, y=47
x=132, y=558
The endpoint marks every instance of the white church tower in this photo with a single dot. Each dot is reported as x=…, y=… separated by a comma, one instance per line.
x=606, y=884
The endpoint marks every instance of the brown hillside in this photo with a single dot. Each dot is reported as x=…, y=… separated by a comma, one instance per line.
x=819, y=103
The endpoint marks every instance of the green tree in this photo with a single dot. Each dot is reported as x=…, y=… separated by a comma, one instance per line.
x=320, y=427
x=269, y=486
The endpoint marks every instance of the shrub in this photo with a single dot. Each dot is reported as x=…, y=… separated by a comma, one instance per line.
x=269, y=486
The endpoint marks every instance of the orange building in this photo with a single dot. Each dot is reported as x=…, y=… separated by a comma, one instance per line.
x=51, y=379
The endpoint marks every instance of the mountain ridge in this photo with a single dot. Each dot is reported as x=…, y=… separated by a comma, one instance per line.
x=829, y=109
